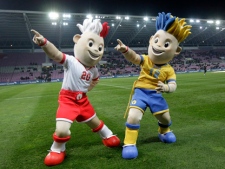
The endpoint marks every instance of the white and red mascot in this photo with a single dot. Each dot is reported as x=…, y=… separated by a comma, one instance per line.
x=80, y=76
x=156, y=76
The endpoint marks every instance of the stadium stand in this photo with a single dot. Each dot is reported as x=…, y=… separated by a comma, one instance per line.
x=28, y=66
x=22, y=60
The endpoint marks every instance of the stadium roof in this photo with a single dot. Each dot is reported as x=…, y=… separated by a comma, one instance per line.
x=16, y=25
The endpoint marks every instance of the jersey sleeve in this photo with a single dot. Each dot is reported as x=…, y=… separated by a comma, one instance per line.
x=67, y=59
x=96, y=74
x=63, y=59
x=142, y=59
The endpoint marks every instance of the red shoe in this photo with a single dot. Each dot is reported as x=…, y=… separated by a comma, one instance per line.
x=54, y=158
x=112, y=141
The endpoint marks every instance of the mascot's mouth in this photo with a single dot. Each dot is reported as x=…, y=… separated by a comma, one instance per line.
x=156, y=51
x=93, y=56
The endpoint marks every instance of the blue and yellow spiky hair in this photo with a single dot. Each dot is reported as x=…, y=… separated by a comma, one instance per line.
x=173, y=25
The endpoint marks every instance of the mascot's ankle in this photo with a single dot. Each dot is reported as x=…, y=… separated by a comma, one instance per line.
x=60, y=139
x=103, y=130
x=164, y=128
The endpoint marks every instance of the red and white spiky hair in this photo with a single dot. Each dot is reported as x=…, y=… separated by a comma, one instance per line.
x=105, y=30
x=94, y=26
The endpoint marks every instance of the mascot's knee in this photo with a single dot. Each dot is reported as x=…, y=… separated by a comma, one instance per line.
x=132, y=120
x=134, y=117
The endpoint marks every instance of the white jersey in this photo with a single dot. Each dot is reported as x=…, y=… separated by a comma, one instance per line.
x=76, y=76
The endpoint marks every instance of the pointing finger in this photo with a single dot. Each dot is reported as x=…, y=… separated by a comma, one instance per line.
x=35, y=32
x=120, y=42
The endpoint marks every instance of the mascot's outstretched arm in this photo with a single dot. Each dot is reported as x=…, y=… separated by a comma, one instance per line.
x=50, y=49
x=128, y=53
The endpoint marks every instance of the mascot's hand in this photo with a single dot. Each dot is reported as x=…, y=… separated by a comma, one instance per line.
x=121, y=47
x=92, y=85
x=162, y=87
x=38, y=38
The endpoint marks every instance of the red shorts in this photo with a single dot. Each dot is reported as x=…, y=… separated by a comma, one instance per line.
x=74, y=106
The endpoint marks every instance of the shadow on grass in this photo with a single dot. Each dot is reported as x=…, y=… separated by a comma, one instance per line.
x=149, y=140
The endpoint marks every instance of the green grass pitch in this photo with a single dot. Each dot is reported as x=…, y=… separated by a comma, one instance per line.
x=197, y=110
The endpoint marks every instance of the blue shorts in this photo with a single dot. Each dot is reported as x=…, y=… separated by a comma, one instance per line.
x=143, y=98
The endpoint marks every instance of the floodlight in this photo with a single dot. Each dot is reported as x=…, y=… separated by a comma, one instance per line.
x=118, y=17
x=66, y=16
x=217, y=22
x=210, y=21
x=146, y=18
x=89, y=16
x=53, y=15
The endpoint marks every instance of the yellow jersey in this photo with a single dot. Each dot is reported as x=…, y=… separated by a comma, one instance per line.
x=150, y=74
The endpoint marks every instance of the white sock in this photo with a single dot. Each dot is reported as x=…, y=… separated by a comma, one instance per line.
x=58, y=147
x=105, y=132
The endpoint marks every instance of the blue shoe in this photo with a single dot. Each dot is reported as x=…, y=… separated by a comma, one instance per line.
x=168, y=137
x=129, y=152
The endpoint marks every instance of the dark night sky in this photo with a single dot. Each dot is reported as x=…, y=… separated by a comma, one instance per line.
x=202, y=9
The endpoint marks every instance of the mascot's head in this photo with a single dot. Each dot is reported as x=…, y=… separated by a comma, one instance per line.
x=89, y=46
x=164, y=45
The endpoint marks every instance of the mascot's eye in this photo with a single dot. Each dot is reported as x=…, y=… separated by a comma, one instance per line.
x=90, y=43
x=100, y=48
x=156, y=40
x=166, y=44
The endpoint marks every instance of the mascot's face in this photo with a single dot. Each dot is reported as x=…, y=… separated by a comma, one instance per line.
x=88, y=48
x=163, y=47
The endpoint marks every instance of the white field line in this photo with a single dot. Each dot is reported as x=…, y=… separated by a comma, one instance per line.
x=18, y=98
x=32, y=97
x=219, y=72
x=121, y=87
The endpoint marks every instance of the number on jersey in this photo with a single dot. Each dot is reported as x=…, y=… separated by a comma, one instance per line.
x=85, y=76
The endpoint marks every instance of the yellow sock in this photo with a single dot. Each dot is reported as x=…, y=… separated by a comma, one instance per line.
x=163, y=130
x=130, y=136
